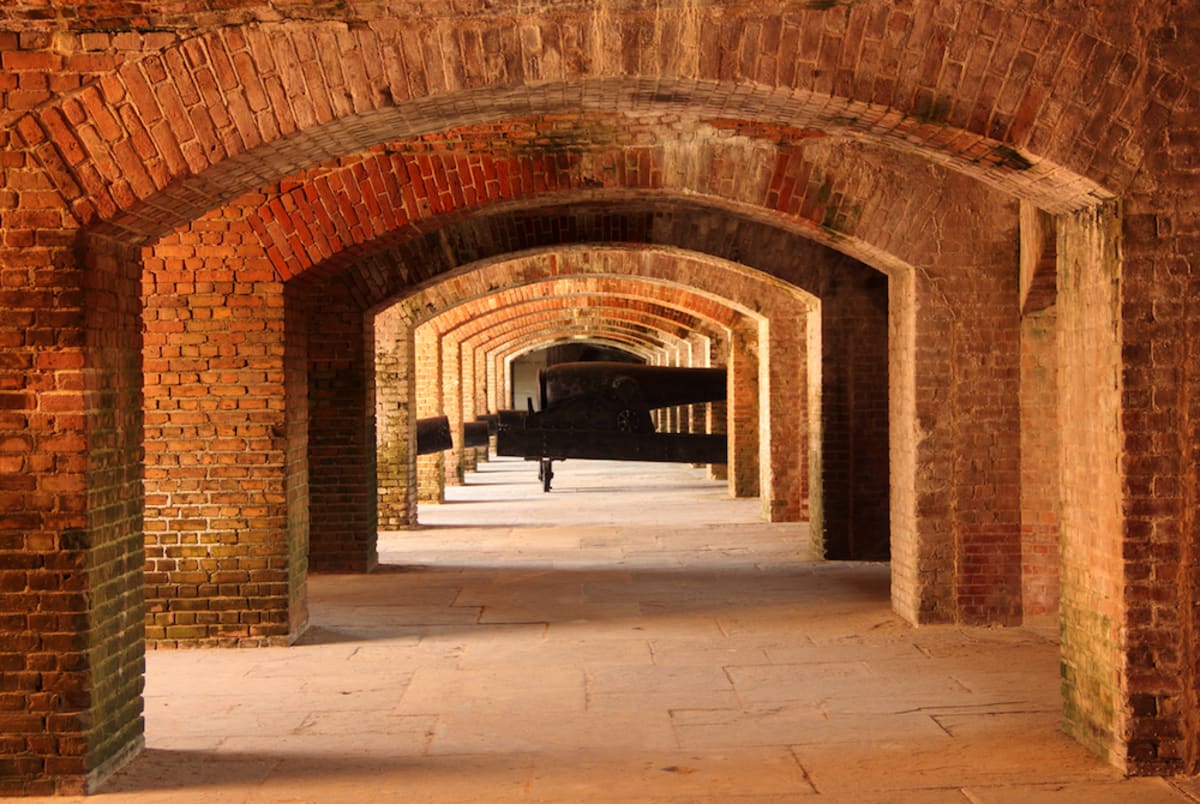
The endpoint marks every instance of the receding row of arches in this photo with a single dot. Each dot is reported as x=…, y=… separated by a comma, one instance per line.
x=824, y=350
x=275, y=271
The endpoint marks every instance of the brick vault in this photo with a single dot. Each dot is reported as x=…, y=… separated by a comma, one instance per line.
x=945, y=250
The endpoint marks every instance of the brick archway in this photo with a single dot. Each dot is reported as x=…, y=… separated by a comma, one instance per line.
x=1064, y=113
x=581, y=308
x=737, y=287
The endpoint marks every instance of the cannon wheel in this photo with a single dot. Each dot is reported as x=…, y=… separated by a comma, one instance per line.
x=545, y=473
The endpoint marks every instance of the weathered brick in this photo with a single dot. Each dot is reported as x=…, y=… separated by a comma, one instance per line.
x=1062, y=114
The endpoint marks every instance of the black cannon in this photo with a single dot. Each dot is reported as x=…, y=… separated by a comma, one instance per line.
x=601, y=410
x=475, y=434
x=433, y=435
x=492, y=420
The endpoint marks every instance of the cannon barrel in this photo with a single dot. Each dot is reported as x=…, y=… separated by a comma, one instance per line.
x=475, y=434
x=511, y=418
x=650, y=386
x=492, y=420
x=433, y=435
x=602, y=410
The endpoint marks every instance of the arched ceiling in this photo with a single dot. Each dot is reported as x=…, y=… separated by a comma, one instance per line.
x=631, y=332
x=271, y=117
x=725, y=284
x=581, y=314
x=689, y=309
x=402, y=167
x=612, y=340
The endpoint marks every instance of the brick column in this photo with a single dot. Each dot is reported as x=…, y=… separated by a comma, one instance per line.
x=854, y=471
x=226, y=523
x=499, y=381
x=956, y=416
x=72, y=634
x=395, y=422
x=1093, y=607
x=742, y=409
x=484, y=393
x=1156, y=724
x=677, y=421
x=467, y=373
x=454, y=459
x=341, y=435
x=431, y=469
x=717, y=415
x=783, y=419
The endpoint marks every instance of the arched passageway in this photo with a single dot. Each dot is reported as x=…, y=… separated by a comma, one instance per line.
x=202, y=213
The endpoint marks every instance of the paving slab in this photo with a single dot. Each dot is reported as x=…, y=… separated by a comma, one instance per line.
x=633, y=635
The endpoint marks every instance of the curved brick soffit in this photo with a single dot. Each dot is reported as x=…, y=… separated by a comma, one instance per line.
x=671, y=310
x=705, y=285
x=169, y=136
x=396, y=220
x=516, y=317
x=620, y=309
x=583, y=313
x=541, y=325
x=630, y=336
x=530, y=322
x=600, y=339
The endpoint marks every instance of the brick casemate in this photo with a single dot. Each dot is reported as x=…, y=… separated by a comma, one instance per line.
x=221, y=230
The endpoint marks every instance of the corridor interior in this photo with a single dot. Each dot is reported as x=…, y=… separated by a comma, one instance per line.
x=632, y=635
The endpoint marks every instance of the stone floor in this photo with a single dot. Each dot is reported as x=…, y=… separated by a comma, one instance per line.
x=634, y=635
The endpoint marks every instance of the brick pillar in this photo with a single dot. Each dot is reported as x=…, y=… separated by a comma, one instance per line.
x=341, y=435
x=431, y=469
x=910, y=598
x=694, y=415
x=499, y=382
x=717, y=415
x=676, y=414
x=226, y=532
x=72, y=636
x=956, y=418
x=742, y=409
x=484, y=393
x=1160, y=423
x=1040, y=491
x=395, y=422
x=854, y=468
x=454, y=459
x=1093, y=608
x=467, y=373
x=296, y=474
x=783, y=419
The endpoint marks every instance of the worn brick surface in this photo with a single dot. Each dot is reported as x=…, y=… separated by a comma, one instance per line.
x=172, y=178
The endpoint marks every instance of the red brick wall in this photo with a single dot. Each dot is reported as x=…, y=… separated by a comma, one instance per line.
x=112, y=398
x=854, y=412
x=431, y=468
x=339, y=429
x=395, y=421
x=1093, y=608
x=141, y=133
x=217, y=486
x=1040, y=465
x=1040, y=449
